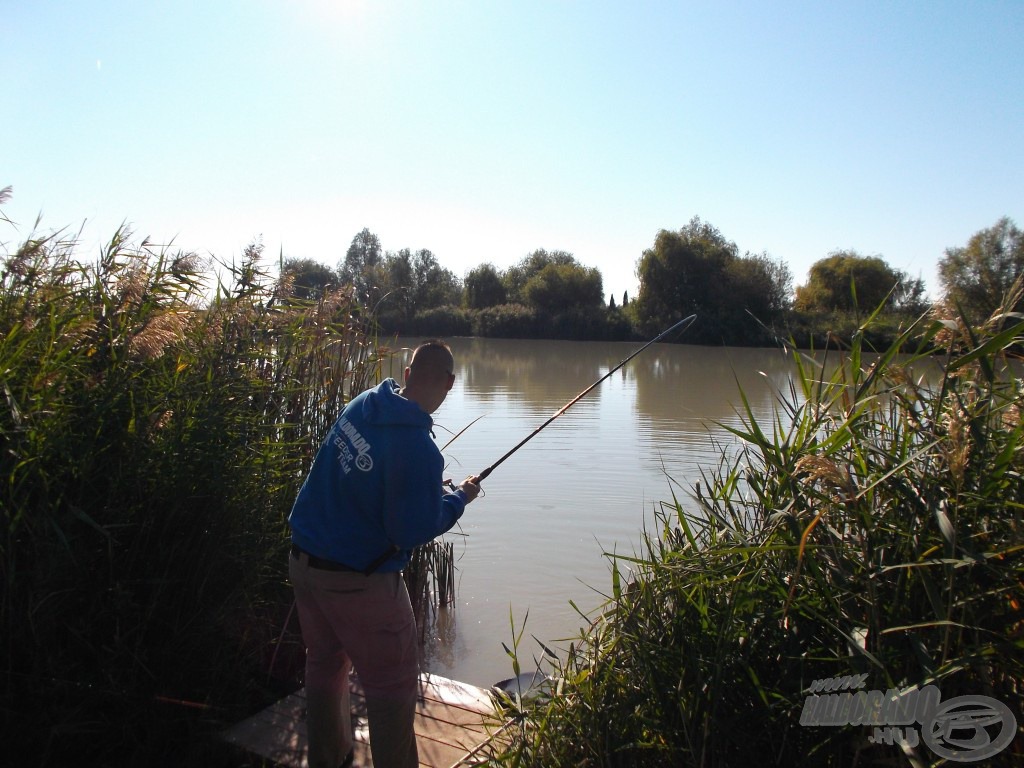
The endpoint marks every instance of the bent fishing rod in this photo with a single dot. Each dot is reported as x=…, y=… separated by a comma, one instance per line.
x=681, y=326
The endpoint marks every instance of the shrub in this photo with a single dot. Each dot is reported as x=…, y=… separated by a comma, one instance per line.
x=443, y=321
x=873, y=528
x=508, y=321
x=588, y=324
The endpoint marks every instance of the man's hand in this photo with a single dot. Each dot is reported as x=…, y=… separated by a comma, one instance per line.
x=471, y=487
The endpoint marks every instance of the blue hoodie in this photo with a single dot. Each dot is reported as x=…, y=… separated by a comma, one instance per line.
x=375, y=485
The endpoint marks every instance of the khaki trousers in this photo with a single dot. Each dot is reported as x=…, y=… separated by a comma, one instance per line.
x=348, y=619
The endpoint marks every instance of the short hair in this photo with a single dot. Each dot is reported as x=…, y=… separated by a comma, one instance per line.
x=431, y=356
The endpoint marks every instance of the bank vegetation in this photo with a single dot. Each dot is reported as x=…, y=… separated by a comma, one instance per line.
x=872, y=531
x=156, y=421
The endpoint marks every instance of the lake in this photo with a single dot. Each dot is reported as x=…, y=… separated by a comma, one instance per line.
x=585, y=485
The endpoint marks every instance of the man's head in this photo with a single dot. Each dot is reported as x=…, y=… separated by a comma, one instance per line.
x=430, y=375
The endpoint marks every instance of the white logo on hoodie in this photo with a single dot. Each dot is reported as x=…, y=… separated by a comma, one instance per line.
x=362, y=458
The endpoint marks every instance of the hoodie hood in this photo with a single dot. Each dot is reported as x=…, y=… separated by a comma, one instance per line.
x=383, y=405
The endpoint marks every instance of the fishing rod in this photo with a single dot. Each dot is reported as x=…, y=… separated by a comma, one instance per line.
x=682, y=324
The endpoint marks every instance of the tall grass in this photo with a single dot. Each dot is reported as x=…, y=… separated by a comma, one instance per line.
x=873, y=527
x=156, y=422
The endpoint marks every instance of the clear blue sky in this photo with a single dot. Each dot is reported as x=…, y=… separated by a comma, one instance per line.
x=484, y=130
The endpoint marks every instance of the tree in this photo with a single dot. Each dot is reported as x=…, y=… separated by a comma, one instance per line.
x=769, y=282
x=697, y=270
x=400, y=285
x=978, y=275
x=484, y=288
x=845, y=281
x=909, y=297
x=682, y=274
x=516, y=277
x=560, y=287
x=759, y=290
x=309, y=278
x=433, y=285
x=414, y=283
x=362, y=266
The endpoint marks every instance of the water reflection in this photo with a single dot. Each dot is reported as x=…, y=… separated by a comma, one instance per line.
x=584, y=486
x=691, y=380
x=523, y=369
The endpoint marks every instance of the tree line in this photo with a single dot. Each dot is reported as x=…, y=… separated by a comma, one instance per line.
x=746, y=299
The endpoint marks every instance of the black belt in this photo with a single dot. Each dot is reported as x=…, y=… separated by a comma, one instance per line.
x=319, y=563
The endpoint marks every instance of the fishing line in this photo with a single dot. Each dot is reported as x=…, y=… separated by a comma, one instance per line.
x=681, y=326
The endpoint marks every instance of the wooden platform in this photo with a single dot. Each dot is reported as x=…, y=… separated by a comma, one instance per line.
x=455, y=726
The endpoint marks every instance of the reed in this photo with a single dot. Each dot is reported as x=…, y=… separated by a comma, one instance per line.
x=873, y=527
x=156, y=421
x=430, y=579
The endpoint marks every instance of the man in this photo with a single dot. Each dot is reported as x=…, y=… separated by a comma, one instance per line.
x=373, y=494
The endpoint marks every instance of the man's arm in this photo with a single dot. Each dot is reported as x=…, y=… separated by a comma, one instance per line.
x=416, y=510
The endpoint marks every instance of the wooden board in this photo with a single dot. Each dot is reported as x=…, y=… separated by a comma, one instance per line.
x=455, y=722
